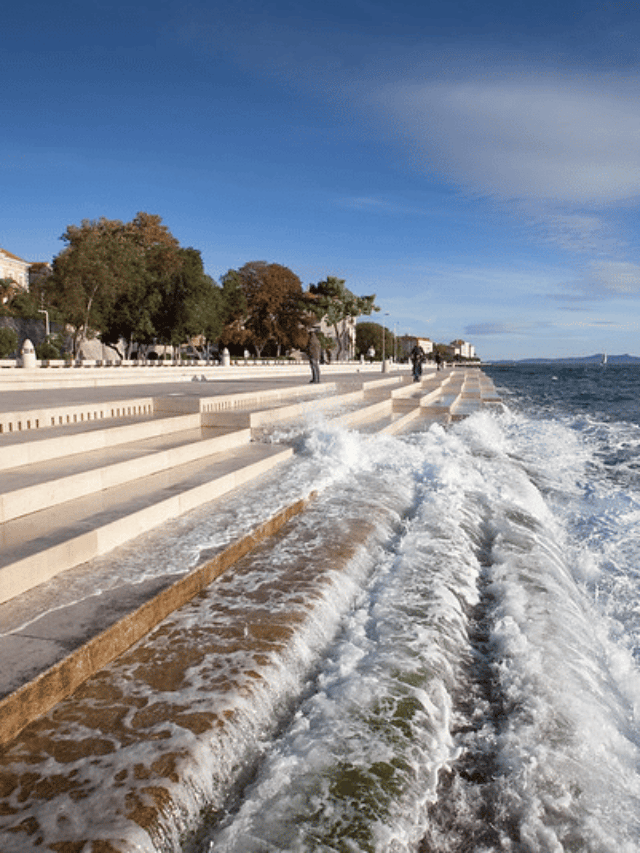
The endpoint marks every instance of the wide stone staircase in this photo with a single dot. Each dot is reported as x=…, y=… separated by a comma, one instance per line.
x=81, y=480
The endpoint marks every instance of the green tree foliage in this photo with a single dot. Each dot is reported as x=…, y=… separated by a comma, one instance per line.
x=171, y=305
x=264, y=305
x=331, y=301
x=370, y=335
x=234, y=311
x=104, y=260
x=51, y=348
x=8, y=342
x=190, y=304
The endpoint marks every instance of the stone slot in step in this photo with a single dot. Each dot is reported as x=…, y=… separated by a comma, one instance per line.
x=37, y=419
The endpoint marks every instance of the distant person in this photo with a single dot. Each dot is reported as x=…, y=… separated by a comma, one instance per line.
x=438, y=361
x=417, y=357
x=371, y=353
x=314, y=351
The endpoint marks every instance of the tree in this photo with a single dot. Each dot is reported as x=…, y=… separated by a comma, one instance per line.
x=331, y=301
x=103, y=260
x=8, y=289
x=189, y=305
x=265, y=305
x=8, y=342
x=234, y=311
x=370, y=335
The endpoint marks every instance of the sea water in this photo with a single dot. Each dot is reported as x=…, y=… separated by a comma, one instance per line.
x=483, y=691
x=470, y=683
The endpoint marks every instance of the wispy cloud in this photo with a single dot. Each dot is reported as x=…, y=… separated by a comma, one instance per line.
x=611, y=278
x=477, y=329
x=569, y=139
x=584, y=233
x=371, y=204
x=503, y=328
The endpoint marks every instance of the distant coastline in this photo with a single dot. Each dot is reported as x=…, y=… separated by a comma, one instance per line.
x=578, y=360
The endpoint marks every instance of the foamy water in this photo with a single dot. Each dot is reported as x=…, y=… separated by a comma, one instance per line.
x=470, y=683
x=484, y=693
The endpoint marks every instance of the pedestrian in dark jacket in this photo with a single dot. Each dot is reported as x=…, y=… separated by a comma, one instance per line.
x=417, y=357
x=314, y=351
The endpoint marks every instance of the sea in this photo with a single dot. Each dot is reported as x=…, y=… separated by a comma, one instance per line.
x=469, y=682
x=482, y=692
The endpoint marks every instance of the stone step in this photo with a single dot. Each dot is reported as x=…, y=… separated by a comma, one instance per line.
x=24, y=448
x=65, y=501
x=30, y=488
x=37, y=546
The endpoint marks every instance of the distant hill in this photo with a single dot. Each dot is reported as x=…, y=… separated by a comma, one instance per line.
x=585, y=359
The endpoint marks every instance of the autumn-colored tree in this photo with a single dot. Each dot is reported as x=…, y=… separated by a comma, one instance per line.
x=266, y=301
x=331, y=301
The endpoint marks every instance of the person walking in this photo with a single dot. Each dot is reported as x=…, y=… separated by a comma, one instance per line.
x=417, y=357
x=314, y=351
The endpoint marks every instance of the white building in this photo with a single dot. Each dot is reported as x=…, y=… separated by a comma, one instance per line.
x=13, y=267
x=463, y=348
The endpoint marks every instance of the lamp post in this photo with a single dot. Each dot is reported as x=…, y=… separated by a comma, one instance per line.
x=384, y=357
x=46, y=320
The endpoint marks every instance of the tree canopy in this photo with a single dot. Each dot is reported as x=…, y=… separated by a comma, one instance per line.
x=133, y=282
x=264, y=306
x=370, y=335
x=331, y=301
x=107, y=260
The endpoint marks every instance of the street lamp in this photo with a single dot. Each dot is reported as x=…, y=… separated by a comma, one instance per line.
x=384, y=359
x=46, y=320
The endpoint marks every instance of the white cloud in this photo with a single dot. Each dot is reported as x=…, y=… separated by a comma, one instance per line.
x=490, y=329
x=577, y=232
x=560, y=139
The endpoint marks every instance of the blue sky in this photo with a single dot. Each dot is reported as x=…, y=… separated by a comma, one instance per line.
x=476, y=165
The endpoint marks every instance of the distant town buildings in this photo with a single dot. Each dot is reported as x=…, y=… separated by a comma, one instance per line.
x=458, y=348
x=407, y=342
x=462, y=348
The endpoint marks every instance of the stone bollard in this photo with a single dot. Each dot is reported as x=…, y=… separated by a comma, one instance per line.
x=28, y=354
x=226, y=358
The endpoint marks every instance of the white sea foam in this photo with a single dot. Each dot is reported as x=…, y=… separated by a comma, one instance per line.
x=482, y=689
x=561, y=725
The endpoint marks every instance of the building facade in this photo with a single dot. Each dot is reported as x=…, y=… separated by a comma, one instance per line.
x=463, y=348
x=407, y=342
x=14, y=268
